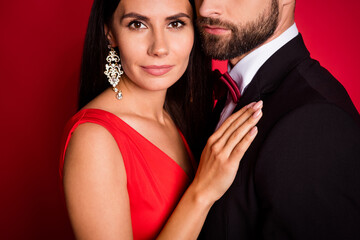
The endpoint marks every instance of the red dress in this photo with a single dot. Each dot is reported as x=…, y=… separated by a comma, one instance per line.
x=155, y=182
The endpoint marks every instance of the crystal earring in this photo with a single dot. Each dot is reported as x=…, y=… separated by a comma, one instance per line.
x=113, y=71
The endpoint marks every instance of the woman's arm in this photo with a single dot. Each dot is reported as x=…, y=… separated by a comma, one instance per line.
x=95, y=185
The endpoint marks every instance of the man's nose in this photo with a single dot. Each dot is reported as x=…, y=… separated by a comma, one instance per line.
x=209, y=8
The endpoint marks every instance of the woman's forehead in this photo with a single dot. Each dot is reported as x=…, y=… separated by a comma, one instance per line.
x=155, y=7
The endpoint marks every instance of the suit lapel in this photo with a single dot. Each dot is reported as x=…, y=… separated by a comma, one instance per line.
x=274, y=70
x=215, y=116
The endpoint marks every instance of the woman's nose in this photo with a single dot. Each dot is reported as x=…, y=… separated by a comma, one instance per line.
x=159, y=44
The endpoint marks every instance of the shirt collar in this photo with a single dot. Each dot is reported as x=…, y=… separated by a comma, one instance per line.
x=244, y=71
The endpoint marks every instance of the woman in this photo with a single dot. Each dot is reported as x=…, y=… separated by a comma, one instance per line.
x=127, y=168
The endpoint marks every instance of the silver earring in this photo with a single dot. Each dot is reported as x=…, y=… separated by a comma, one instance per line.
x=113, y=71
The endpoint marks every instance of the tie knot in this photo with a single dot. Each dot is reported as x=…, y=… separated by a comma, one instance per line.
x=231, y=85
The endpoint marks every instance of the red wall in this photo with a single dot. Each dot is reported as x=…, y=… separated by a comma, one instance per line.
x=40, y=51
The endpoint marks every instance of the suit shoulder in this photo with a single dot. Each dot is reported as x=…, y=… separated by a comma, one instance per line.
x=321, y=80
x=315, y=117
x=309, y=82
x=315, y=133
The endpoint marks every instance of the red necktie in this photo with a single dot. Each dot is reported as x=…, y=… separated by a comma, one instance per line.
x=232, y=86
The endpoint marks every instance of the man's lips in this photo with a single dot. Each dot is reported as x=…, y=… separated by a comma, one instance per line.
x=157, y=70
x=217, y=30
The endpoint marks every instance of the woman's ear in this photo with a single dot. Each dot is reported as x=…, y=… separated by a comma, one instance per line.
x=109, y=36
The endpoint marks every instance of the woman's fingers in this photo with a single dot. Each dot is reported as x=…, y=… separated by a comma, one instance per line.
x=238, y=126
x=218, y=133
x=240, y=148
x=239, y=136
x=243, y=121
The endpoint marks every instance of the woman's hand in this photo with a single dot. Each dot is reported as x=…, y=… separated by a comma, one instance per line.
x=222, y=154
x=217, y=169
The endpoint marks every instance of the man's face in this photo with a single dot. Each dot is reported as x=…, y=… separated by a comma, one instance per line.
x=232, y=28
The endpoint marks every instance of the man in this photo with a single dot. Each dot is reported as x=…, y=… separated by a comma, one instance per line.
x=300, y=179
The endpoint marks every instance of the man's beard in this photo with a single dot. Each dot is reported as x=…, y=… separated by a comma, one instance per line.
x=243, y=39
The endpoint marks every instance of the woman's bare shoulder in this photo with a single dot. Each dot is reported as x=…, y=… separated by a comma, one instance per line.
x=90, y=149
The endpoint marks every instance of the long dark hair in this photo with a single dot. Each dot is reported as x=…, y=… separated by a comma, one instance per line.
x=189, y=101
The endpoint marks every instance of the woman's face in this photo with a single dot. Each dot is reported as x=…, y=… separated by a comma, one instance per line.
x=155, y=38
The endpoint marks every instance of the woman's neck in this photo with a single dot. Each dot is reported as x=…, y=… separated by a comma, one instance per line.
x=144, y=104
x=140, y=102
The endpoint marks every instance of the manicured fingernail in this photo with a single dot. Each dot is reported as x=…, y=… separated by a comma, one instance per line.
x=258, y=105
x=250, y=105
x=257, y=113
x=253, y=131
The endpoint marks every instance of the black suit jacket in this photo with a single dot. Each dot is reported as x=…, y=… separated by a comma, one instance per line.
x=300, y=178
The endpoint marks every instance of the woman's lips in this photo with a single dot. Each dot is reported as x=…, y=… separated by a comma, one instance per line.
x=157, y=70
x=216, y=30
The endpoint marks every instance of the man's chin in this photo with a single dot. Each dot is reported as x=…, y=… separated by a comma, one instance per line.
x=217, y=56
x=216, y=49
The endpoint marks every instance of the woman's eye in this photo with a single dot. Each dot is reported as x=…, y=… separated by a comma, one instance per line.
x=176, y=24
x=137, y=25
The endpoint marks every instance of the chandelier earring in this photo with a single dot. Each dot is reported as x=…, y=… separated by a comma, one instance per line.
x=113, y=71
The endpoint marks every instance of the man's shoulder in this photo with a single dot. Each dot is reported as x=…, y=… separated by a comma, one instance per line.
x=316, y=134
x=312, y=83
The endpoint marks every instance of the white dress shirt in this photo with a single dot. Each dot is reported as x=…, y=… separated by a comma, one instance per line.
x=244, y=71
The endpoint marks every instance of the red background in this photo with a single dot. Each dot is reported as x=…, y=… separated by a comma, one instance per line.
x=40, y=52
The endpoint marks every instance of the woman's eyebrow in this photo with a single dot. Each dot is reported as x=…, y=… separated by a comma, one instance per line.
x=141, y=17
x=135, y=15
x=179, y=15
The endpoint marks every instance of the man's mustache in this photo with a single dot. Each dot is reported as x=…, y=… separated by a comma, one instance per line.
x=214, y=22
